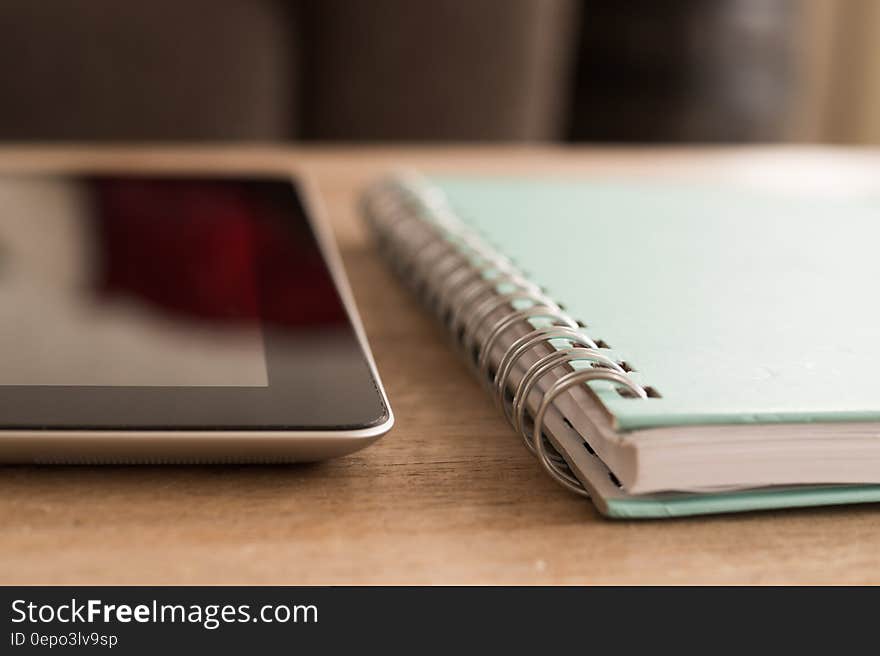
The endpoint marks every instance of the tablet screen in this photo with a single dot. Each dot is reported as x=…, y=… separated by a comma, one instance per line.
x=201, y=301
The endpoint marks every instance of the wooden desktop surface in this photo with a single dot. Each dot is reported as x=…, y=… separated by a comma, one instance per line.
x=450, y=495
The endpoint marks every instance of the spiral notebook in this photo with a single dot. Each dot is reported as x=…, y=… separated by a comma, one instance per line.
x=664, y=349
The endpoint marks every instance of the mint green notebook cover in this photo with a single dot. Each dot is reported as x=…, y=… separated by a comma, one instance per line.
x=684, y=505
x=736, y=305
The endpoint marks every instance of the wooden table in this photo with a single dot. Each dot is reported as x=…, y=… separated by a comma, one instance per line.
x=450, y=495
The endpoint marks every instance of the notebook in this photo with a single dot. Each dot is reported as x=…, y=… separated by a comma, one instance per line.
x=664, y=348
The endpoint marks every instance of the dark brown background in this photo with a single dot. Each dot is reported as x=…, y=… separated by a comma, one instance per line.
x=377, y=70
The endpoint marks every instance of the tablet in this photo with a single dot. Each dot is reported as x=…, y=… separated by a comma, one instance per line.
x=198, y=318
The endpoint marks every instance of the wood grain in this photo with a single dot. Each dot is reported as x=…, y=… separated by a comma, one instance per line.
x=449, y=496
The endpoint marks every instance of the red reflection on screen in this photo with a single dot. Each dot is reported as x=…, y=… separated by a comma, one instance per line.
x=213, y=249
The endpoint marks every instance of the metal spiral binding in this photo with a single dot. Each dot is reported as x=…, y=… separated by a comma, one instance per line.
x=470, y=287
x=549, y=459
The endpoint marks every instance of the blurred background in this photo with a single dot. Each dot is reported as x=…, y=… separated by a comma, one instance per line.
x=456, y=70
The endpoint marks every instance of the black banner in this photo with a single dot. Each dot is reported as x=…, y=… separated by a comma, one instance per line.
x=221, y=620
